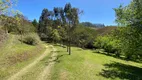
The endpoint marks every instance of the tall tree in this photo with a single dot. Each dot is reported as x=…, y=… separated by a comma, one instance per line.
x=67, y=10
x=42, y=29
x=72, y=18
x=35, y=24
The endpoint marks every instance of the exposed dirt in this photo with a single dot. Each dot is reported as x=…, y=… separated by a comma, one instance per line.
x=46, y=73
x=27, y=68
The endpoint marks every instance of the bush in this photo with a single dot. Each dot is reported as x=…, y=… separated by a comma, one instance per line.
x=31, y=39
x=108, y=43
x=130, y=38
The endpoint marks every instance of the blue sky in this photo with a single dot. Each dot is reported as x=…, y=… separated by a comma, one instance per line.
x=95, y=11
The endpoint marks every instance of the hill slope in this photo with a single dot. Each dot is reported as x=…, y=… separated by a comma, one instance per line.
x=89, y=65
x=3, y=37
x=14, y=55
x=105, y=30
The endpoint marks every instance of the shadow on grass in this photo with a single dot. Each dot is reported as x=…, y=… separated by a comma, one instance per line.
x=122, y=71
x=118, y=57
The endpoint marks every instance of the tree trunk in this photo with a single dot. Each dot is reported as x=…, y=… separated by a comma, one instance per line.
x=68, y=45
x=69, y=48
x=69, y=40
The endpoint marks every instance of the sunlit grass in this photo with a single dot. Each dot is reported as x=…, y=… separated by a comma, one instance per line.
x=88, y=65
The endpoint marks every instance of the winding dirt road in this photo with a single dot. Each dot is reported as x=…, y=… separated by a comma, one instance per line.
x=45, y=74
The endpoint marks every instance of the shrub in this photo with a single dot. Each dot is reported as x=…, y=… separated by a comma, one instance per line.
x=31, y=39
x=108, y=43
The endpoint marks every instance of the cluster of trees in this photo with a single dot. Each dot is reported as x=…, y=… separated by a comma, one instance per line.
x=58, y=25
x=17, y=24
x=126, y=40
x=12, y=21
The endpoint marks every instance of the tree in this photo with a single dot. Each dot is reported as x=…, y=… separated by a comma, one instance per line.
x=67, y=11
x=35, y=24
x=56, y=12
x=42, y=29
x=62, y=20
x=9, y=24
x=7, y=12
x=72, y=19
x=63, y=34
x=6, y=6
x=130, y=16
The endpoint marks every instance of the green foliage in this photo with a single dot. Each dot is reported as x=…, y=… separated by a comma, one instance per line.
x=31, y=39
x=130, y=37
x=124, y=41
x=35, y=24
x=83, y=37
x=17, y=24
x=55, y=36
x=6, y=6
x=62, y=33
x=130, y=14
x=58, y=25
x=110, y=44
x=45, y=22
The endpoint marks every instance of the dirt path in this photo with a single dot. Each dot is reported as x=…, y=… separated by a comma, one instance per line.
x=46, y=73
x=27, y=68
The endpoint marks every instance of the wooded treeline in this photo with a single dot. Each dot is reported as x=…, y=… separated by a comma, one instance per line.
x=61, y=25
x=126, y=40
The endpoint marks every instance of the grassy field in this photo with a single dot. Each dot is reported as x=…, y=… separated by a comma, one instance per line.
x=14, y=56
x=88, y=65
x=80, y=65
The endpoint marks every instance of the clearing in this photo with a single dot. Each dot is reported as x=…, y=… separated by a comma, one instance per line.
x=54, y=63
x=89, y=65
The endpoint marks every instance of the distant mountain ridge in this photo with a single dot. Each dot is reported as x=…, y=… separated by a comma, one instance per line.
x=89, y=24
